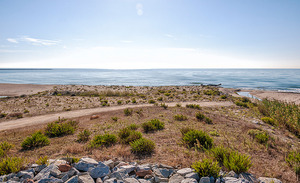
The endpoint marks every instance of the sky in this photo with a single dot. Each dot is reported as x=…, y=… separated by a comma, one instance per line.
x=145, y=34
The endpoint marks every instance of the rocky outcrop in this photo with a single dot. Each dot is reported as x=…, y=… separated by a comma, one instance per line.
x=88, y=170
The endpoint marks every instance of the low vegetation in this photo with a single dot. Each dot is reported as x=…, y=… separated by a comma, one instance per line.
x=197, y=139
x=11, y=165
x=180, y=117
x=60, y=128
x=259, y=135
x=128, y=112
x=153, y=125
x=103, y=140
x=43, y=160
x=142, y=146
x=207, y=168
x=5, y=147
x=237, y=162
x=293, y=159
x=37, y=139
x=128, y=135
x=84, y=136
x=193, y=106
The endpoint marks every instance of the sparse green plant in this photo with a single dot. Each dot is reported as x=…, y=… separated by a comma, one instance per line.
x=128, y=112
x=178, y=105
x=223, y=97
x=142, y=146
x=119, y=102
x=207, y=120
x=127, y=135
x=167, y=94
x=115, y=119
x=133, y=100
x=16, y=115
x=259, y=135
x=5, y=147
x=242, y=104
x=184, y=130
x=153, y=125
x=3, y=115
x=35, y=140
x=60, y=128
x=200, y=116
x=160, y=99
x=10, y=165
x=180, y=117
x=269, y=121
x=214, y=133
x=151, y=101
x=193, y=106
x=103, y=140
x=43, y=160
x=207, y=168
x=84, y=136
x=293, y=159
x=163, y=105
x=237, y=162
x=26, y=111
x=133, y=126
x=211, y=92
x=220, y=153
x=197, y=139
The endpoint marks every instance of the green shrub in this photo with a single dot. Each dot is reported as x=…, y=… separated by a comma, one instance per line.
x=151, y=101
x=133, y=100
x=286, y=114
x=220, y=153
x=36, y=139
x=200, y=116
x=184, y=130
x=242, y=104
x=5, y=147
x=211, y=92
x=180, y=117
x=223, y=97
x=214, y=133
x=103, y=140
x=269, y=120
x=26, y=111
x=237, y=162
x=193, y=106
x=207, y=168
x=119, y=102
x=197, y=139
x=16, y=114
x=178, y=105
x=83, y=136
x=127, y=135
x=43, y=160
x=142, y=146
x=10, y=165
x=208, y=120
x=153, y=125
x=293, y=159
x=128, y=112
x=3, y=115
x=160, y=99
x=163, y=105
x=60, y=128
x=259, y=135
x=115, y=119
x=133, y=126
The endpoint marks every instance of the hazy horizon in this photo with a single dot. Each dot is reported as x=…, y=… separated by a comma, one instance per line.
x=150, y=34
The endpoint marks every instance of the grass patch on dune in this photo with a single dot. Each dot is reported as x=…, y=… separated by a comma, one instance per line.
x=281, y=113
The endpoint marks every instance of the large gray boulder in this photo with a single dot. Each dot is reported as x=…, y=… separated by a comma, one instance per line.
x=163, y=172
x=128, y=168
x=193, y=176
x=204, y=180
x=50, y=180
x=189, y=180
x=131, y=180
x=235, y=180
x=85, y=163
x=73, y=179
x=45, y=173
x=101, y=170
x=248, y=176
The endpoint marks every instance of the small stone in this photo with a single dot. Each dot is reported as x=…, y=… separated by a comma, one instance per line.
x=45, y=173
x=158, y=179
x=148, y=176
x=85, y=179
x=50, y=180
x=99, y=180
x=189, y=180
x=128, y=168
x=59, y=162
x=143, y=173
x=193, y=176
x=176, y=178
x=131, y=180
x=55, y=172
x=73, y=171
x=64, y=167
x=39, y=168
x=248, y=176
x=144, y=181
x=232, y=174
x=204, y=180
x=235, y=180
x=268, y=180
x=165, y=166
x=65, y=177
x=109, y=163
x=94, y=117
x=73, y=179
x=185, y=171
x=25, y=175
x=143, y=167
x=28, y=181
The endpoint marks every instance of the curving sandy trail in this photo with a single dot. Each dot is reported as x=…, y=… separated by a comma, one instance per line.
x=30, y=121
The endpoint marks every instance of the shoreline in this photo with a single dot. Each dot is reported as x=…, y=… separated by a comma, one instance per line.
x=11, y=90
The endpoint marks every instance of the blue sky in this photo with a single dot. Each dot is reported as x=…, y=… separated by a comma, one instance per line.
x=138, y=34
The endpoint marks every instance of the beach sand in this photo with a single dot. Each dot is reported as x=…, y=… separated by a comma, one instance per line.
x=22, y=89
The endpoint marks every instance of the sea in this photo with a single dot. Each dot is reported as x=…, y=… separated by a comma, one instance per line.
x=286, y=80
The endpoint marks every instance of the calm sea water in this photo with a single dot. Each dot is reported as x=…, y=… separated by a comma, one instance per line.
x=265, y=79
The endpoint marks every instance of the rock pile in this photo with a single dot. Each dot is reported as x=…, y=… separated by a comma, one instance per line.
x=88, y=170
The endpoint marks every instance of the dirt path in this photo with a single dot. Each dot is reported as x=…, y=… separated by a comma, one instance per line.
x=29, y=121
